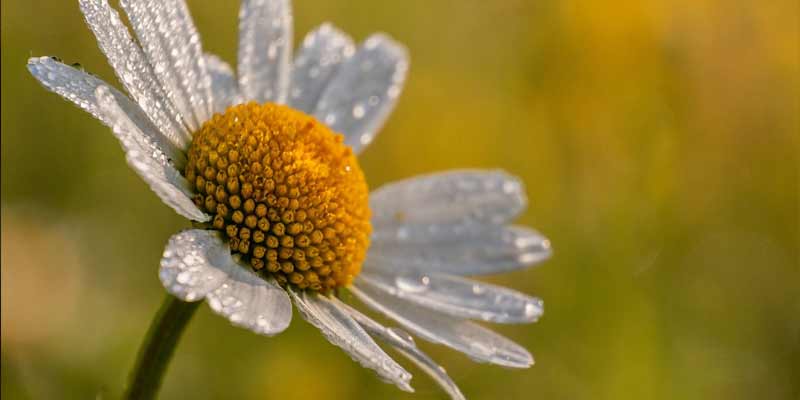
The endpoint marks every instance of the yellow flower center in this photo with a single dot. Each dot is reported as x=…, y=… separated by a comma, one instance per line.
x=286, y=191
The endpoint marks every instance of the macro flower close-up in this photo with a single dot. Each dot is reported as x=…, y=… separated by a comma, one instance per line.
x=263, y=162
x=399, y=199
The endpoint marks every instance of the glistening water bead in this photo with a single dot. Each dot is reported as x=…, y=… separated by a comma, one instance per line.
x=286, y=191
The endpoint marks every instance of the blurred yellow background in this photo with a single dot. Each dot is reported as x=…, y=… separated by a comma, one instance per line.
x=659, y=144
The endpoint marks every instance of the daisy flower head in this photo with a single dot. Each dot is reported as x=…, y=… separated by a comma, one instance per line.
x=264, y=163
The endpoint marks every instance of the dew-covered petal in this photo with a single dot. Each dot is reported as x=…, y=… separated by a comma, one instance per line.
x=343, y=331
x=452, y=197
x=251, y=302
x=79, y=87
x=133, y=70
x=456, y=296
x=172, y=45
x=223, y=83
x=456, y=249
x=364, y=90
x=198, y=264
x=265, y=50
x=465, y=336
x=189, y=266
x=404, y=344
x=148, y=152
x=149, y=162
x=71, y=83
x=319, y=57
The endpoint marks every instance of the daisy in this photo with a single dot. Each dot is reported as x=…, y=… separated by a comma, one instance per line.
x=264, y=164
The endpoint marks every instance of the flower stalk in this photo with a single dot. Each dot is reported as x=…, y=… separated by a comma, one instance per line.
x=159, y=344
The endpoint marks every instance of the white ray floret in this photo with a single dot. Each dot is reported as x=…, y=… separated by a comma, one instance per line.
x=343, y=331
x=79, y=87
x=173, y=49
x=404, y=343
x=477, y=342
x=364, y=90
x=183, y=36
x=265, y=49
x=453, y=197
x=321, y=53
x=223, y=83
x=456, y=296
x=197, y=264
x=456, y=248
x=146, y=158
x=131, y=67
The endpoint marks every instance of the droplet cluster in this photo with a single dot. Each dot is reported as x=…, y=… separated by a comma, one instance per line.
x=286, y=191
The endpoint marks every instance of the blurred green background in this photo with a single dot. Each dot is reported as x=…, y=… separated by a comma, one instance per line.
x=659, y=144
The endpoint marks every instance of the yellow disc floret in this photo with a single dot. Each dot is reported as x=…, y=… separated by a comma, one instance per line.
x=286, y=191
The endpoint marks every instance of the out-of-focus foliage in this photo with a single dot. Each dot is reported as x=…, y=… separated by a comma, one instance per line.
x=659, y=143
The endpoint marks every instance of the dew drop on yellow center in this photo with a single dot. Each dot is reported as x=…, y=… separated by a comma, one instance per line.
x=286, y=192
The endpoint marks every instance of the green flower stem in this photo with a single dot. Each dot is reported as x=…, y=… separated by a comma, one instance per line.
x=158, y=346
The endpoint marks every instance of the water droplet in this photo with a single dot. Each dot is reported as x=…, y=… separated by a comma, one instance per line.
x=412, y=284
x=532, y=312
x=358, y=111
x=401, y=334
x=183, y=277
x=371, y=43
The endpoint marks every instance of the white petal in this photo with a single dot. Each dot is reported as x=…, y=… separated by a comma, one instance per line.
x=251, y=302
x=148, y=152
x=143, y=156
x=223, y=83
x=70, y=83
x=456, y=296
x=453, y=197
x=133, y=70
x=170, y=40
x=465, y=336
x=364, y=90
x=343, y=331
x=197, y=264
x=457, y=249
x=265, y=49
x=320, y=55
x=189, y=265
x=404, y=343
